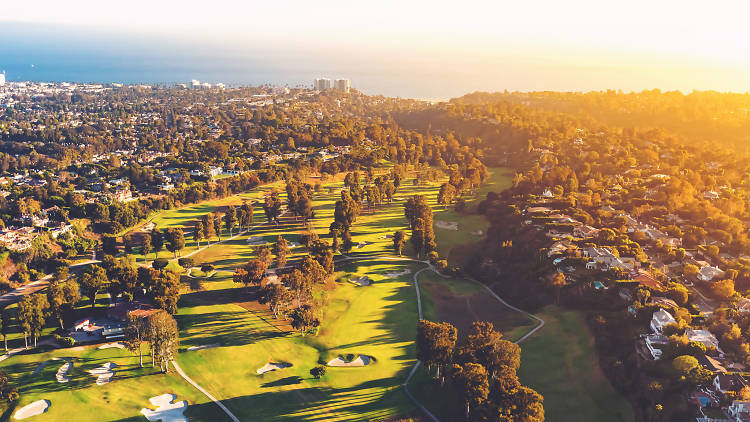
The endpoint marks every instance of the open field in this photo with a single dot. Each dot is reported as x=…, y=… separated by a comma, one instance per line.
x=560, y=362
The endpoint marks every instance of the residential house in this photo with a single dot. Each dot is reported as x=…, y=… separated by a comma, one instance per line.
x=739, y=411
x=661, y=319
x=705, y=337
x=725, y=383
x=708, y=273
x=654, y=343
x=585, y=231
x=663, y=302
x=743, y=304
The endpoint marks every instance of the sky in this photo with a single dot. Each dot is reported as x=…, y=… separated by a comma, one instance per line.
x=460, y=46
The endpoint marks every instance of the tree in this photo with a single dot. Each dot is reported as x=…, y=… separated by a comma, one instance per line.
x=318, y=371
x=157, y=241
x=165, y=290
x=435, y=343
x=135, y=334
x=208, y=227
x=471, y=380
x=685, y=364
x=272, y=206
x=145, y=246
x=62, y=295
x=446, y=195
x=282, y=251
x=175, y=240
x=198, y=232
x=557, y=283
x=486, y=347
x=304, y=318
x=276, y=296
x=217, y=225
x=399, y=240
x=8, y=392
x=300, y=285
x=5, y=326
x=92, y=281
x=263, y=253
x=723, y=289
x=163, y=336
x=252, y=272
x=31, y=314
x=109, y=245
x=230, y=219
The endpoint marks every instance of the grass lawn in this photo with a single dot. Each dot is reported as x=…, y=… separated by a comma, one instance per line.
x=377, y=320
x=82, y=399
x=560, y=362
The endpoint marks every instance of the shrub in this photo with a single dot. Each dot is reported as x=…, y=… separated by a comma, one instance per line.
x=318, y=371
x=186, y=262
x=160, y=263
x=207, y=268
x=65, y=341
x=441, y=265
x=349, y=357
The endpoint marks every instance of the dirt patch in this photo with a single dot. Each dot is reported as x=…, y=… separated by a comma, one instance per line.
x=447, y=225
x=203, y=346
x=463, y=310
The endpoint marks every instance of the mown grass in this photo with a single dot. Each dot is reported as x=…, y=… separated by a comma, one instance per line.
x=561, y=363
x=377, y=320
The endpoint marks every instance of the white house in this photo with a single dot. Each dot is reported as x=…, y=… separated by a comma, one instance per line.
x=654, y=340
x=724, y=383
x=709, y=272
x=661, y=319
x=743, y=304
x=705, y=337
x=739, y=411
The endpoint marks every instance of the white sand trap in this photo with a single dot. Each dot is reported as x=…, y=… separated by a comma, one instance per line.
x=361, y=360
x=104, y=373
x=448, y=225
x=293, y=245
x=167, y=410
x=113, y=345
x=394, y=274
x=477, y=232
x=256, y=240
x=271, y=366
x=361, y=245
x=203, y=346
x=63, y=374
x=33, y=409
x=362, y=281
x=387, y=236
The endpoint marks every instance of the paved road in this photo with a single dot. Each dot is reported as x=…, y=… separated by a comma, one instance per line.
x=35, y=286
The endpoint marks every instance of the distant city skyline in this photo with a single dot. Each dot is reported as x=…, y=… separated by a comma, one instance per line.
x=428, y=49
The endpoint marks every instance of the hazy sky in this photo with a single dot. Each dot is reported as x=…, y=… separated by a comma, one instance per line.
x=572, y=44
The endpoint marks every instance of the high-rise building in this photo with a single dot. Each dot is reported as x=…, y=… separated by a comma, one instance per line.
x=342, y=85
x=2, y=79
x=322, y=84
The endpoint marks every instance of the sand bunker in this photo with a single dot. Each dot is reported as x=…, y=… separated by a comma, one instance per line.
x=256, y=240
x=361, y=360
x=148, y=227
x=394, y=274
x=104, y=373
x=448, y=225
x=293, y=245
x=271, y=366
x=387, y=236
x=362, y=281
x=63, y=374
x=203, y=346
x=33, y=409
x=166, y=409
x=113, y=345
x=361, y=245
x=477, y=232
